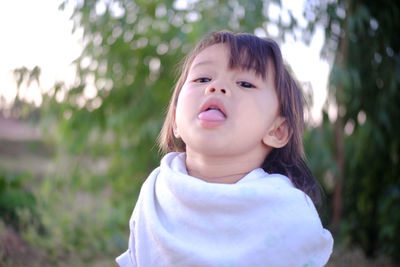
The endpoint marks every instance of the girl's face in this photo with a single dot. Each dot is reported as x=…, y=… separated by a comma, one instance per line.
x=226, y=112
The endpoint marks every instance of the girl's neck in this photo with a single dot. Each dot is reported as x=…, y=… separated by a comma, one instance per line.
x=220, y=169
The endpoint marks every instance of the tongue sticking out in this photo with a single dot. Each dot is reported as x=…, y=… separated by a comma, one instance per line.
x=212, y=115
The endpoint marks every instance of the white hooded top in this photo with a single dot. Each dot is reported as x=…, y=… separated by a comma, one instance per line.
x=262, y=220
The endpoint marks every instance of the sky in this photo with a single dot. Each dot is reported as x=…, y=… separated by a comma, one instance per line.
x=38, y=33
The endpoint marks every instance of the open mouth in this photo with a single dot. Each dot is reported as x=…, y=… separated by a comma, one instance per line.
x=212, y=114
x=215, y=109
x=214, y=106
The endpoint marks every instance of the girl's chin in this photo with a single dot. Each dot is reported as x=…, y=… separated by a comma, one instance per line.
x=210, y=149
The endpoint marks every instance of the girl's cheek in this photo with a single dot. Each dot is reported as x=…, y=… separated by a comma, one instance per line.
x=185, y=92
x=182, y=98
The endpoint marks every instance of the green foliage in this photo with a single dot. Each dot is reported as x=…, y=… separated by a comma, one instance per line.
x=373, y=149
x=24, y=74
x=318, y=145
x=74, y=221
x=365, y=84
x=14, y=197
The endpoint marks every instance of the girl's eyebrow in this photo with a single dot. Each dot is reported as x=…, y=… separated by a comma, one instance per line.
x=205, y=62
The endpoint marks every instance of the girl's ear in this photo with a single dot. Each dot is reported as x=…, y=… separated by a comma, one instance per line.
x=176, y=133
x=175, y=129
x=278, y=136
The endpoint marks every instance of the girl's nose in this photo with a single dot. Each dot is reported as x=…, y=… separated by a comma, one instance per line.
x=213, y=90
x=217, y=88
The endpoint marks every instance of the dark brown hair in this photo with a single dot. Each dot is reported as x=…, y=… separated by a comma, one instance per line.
x=252, y=53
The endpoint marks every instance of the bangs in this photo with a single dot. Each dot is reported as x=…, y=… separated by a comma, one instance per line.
x=248, y=52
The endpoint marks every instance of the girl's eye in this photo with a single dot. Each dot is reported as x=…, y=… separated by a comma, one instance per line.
x=202, y=80
x=246, y=84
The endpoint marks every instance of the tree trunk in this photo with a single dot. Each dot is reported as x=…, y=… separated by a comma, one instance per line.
x=341, y=61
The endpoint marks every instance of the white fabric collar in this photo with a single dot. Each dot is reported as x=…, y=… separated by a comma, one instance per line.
x=261, y=220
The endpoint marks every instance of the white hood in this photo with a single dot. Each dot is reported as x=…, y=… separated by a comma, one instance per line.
x=262, y=220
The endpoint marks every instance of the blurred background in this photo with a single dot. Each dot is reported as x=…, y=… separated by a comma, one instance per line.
x=84, y=86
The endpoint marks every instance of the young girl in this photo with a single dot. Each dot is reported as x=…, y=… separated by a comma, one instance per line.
x=233, y=189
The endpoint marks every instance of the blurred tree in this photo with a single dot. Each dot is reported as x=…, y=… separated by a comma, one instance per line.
x=364, y=86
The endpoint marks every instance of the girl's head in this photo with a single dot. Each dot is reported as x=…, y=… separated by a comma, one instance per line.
x=262, y=56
